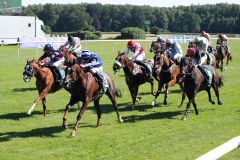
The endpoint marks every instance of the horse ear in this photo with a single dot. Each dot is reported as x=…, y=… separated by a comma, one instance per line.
x=119, y=52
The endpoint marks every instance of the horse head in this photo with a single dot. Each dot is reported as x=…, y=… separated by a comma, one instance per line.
x=28, y=70
x=68, y=55
x=119, y=61
x=186, y=66
x=155, y=47
x=191, y=44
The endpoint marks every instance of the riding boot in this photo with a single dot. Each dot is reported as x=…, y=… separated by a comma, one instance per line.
x=58, y=76
x=101, y=81
x=146, y=70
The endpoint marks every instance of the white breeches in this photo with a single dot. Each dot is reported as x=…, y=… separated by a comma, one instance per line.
x=59, y=63
x=97, y=70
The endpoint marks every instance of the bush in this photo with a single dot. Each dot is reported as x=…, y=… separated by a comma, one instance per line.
x=154, y=30
x=132, y=33
x=87, y=35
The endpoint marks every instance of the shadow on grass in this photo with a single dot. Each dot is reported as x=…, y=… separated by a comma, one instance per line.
x=152, y=116
x=18, y=116
x=38, y=132
x=24, y=89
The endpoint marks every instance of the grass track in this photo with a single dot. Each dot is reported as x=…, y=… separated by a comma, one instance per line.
x=148, y=133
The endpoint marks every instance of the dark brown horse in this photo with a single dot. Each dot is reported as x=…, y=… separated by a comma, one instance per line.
x=134, y=75
x=84, y=87
x=220, y=55
x=167, y=73
x=44, y=81
x=195, y=81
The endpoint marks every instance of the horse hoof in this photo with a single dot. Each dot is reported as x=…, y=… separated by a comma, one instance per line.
x=184, y=118
x=121, y=120
x=220, y=103
x=212, y=102
x=73, y=134
x=64, y=126
x=29, y=112
x=165, y=103
x=153, y=103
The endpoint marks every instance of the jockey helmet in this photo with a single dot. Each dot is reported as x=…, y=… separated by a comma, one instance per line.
x=169, y=41
x=196, y=40
x=48, y=48
x=159, y=38
x=85, y=54
x=131, y=44
x=191, y=52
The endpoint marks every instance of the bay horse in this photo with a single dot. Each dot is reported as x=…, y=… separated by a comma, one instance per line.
x=220, y=56
x=45, y=82
x=167, y=73
x=134, y=75
x=194, y=82
x=84, y=87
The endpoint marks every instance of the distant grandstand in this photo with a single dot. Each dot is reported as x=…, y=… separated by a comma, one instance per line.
x=10, y=6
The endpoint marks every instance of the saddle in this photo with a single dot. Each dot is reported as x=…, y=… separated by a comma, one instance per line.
x=207, y=73
x=146, y=67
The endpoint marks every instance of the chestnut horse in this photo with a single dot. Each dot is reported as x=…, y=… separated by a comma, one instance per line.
x=220, y=56
x=84, y=87
x=194, y=82
x=44, y=81
x=134, y=75
x=167, y=73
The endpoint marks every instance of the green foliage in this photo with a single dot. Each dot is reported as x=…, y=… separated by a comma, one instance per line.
x=87, y=35
x=47, y=29
x=154, y=30
x=214, y=18
x=132, y=33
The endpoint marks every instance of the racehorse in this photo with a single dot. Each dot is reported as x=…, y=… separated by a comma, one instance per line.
x=167, y=73
x=220, y=56
x=84, y=87
x=44, y=81
x=134, y=75
x=194, y=82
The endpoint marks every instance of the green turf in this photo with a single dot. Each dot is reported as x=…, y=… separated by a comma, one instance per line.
x=147, y=133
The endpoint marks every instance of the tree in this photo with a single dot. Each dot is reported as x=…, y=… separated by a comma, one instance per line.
x=155, y=30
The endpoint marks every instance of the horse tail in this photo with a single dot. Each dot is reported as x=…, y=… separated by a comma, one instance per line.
x=220, y=83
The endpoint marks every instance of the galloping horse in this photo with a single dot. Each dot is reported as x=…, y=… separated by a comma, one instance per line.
x=44, y=81
x=134, y=75
x=220, y=56
x=195, y=82
x=166, y=73
x=84, y=87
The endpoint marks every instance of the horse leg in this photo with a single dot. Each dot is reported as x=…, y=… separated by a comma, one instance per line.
x=44, y=106
x=98, y=109
x=160, y=86
x=184, y=117
x=215, y=88
x=165, y=94
x=195, y=106
x=40, y=97
x=221, y=65
x=73, y=101
x=183, y=94
x=112, y=97
x=80, y=114
x=133, y=91
x=209, y=96
x=151, y=81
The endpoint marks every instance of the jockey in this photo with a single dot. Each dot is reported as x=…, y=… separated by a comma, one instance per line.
x=173, y=50
x=202, y=44
x=92, y=63
x=197, y=61
x=207, y=36
x=162, y=43
x=138, y=55
x=222, y=39
x=73, y=44
x=54, y=59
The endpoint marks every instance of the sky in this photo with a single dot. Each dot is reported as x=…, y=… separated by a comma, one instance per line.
x=154, y=3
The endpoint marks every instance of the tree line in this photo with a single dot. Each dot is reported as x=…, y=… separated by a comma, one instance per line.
x=215, y=18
